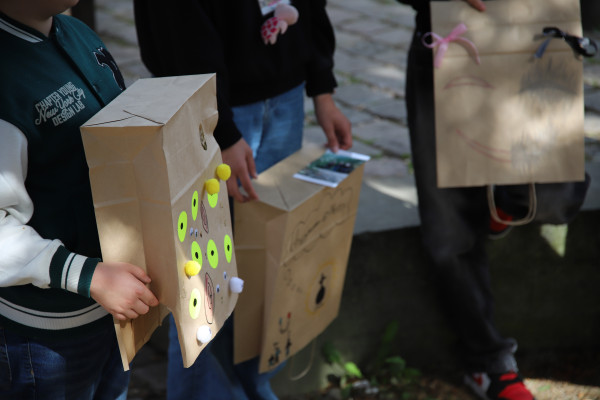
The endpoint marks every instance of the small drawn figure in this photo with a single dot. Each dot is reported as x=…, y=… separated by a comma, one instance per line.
x=209, y=298
x=203, y=139
x=274, y=359
x=321, y=292
x=285, y=329
x=204, y=217
x=288, y=345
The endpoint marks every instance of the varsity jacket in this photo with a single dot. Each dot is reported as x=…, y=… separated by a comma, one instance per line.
x=206, y=36
x=49, y=243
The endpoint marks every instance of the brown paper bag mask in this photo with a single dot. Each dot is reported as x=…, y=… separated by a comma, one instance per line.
x=292, y=247
x=161, y=203
x=512, y=118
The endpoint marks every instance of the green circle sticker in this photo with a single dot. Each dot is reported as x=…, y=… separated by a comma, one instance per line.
x=212, y=254
x=182, y=226
x=197, y=253
x=213, y=199
x=195, y=205
x=228, y=246
x=194, y=306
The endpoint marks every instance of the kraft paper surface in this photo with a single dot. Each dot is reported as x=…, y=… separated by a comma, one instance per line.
x=513, y=118
x=150, y=152
x=292, y=248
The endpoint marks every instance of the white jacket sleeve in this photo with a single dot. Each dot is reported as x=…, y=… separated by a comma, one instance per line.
x=24, y=256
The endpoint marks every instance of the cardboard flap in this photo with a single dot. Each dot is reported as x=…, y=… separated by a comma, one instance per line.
x=277, y=187
x=146, y=100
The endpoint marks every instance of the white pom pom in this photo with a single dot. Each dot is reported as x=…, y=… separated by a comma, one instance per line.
x=236, y=285
x=204, y=334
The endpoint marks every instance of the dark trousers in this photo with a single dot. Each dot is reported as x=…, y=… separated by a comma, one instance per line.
x=453, y=226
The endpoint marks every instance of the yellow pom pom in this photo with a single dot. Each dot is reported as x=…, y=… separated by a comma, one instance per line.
x=192, y=268
x=223, y=172
x=212, y=186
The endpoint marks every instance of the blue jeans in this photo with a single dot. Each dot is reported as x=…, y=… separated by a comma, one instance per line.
x=78, y=369
x=245, y=375
x=205, y=379
x=273, y=130
x=273, y=127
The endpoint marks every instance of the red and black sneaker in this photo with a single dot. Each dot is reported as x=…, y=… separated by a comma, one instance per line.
x=507, y=386
x=498, y=230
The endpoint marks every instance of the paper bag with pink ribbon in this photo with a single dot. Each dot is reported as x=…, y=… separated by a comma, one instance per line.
x=508, y=92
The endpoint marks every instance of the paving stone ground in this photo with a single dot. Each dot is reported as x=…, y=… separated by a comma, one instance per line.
x=372, y=41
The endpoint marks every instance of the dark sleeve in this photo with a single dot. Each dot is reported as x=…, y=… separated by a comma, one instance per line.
x=422, y=20
x=319, y=76
x=418, y=5
x=178, y=38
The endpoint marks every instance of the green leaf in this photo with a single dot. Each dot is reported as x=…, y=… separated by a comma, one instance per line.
x=346, y=391
x=411, y=373
x=352, y=370
x=396, y=360
x=385, y=345
x=389, y=334
x=331, y=354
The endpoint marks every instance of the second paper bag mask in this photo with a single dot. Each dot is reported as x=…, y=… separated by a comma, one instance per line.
x=292, y=246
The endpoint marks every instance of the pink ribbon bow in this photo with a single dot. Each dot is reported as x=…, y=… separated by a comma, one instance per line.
x=442, y=43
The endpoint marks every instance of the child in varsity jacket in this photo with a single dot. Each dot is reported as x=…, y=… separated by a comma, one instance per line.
x=57, y=339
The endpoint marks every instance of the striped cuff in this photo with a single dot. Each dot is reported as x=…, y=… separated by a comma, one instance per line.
x=72, y=272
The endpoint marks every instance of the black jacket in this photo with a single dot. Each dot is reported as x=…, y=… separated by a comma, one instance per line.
x=185, y=37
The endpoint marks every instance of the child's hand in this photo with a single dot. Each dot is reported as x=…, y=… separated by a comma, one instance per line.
x=335, y=125
x=121, y=289
x=239, y=158
x=476, y=4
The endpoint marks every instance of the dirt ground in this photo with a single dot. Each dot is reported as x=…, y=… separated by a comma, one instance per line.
x=439, y=389
x=550, y=376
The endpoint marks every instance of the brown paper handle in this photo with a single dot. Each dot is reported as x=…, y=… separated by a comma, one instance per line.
x=525, y=220
x=308, y=367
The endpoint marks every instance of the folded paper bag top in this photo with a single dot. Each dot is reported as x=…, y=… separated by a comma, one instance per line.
x=150, y=153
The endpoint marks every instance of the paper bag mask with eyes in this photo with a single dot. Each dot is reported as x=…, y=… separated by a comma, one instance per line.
x=511, y=118
x=161, y=203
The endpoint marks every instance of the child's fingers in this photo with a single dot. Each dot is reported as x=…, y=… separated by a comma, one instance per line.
x=147, y=297
x=252, y=166
x=233, y=191
x=130, y=314
x=140, y=307
x=476, y=4
x=247, y=185
x=138, y=273
x=142, y=292
x=120, y=316
x=332, y=140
